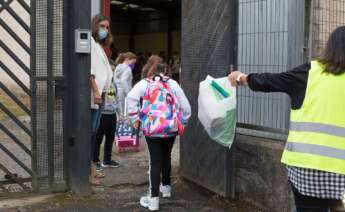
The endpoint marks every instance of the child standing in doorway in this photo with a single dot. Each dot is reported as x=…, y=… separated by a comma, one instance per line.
x=107, y=127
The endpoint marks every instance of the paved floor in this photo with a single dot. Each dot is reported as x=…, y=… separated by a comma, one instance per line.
x=123, y=187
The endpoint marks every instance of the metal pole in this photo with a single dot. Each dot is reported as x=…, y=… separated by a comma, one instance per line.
x=78, y=123
x=230, y=156
x=34, y=167
x=50, y=94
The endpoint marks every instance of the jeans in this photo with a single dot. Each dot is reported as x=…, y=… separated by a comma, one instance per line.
x=160, y=162
x=95, y=121
x=312, y=204
x=106, y=128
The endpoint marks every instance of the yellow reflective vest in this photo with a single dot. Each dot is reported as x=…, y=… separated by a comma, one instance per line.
x=317, y=130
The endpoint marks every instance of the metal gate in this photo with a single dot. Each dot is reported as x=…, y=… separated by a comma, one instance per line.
x=47, y=84
x=208, y=44
x=16, y=163
x=32, y=101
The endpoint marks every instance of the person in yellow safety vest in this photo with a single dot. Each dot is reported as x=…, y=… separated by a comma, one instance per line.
x=315, y=150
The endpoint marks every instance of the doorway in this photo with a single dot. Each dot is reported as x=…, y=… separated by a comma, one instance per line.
x=145, y=28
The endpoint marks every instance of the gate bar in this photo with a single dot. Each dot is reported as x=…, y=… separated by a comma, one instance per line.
x=14, y=178
x=50, y=93
x=15, y=78
x=15, y=58
x=15, y=36
x=15, y=139
x=21, y=164
x=25, y=6
x=15, y=119
x=16, y=17
x=33, y=87
x=14, y=98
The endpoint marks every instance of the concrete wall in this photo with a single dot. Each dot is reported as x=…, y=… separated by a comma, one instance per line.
x=260, y=177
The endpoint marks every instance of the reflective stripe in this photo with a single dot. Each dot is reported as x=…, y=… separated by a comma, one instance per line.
x=318, y=128
x=316, y=150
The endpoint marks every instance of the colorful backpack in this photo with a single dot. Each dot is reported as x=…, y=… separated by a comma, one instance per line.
x=161, y=113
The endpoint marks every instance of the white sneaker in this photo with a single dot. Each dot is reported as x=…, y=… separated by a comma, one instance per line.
x=165, y=190
x=152, y=203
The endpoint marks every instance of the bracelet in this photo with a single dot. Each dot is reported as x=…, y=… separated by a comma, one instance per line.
x=238, y=79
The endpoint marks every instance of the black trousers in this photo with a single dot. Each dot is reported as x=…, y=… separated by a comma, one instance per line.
x=312, y=204
x=160, y=162
x=106, y=128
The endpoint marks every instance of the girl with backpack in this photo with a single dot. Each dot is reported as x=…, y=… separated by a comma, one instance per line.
x=164, y=112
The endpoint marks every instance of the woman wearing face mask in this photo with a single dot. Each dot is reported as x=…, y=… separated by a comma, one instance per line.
x=100, y=79
x=123, y=77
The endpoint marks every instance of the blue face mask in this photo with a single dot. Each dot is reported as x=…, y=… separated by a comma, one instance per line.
x=102, y=33
x=132, y=66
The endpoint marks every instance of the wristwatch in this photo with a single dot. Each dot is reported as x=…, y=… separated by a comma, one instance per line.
x=238, y=79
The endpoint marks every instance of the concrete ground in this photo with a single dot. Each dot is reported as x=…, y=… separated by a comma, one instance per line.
x=123, y=187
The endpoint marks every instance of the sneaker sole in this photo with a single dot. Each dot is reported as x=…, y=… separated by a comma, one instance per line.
x=109, y=166
x=166, y=195
x=153, y=209
x=144, y=205
x=147, y=206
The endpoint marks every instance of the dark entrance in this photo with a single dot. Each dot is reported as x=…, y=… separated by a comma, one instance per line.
x=145, y=28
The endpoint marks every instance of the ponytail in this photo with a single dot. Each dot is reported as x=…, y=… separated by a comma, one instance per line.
x=120, y=58
x=150, y=67
x=123, y=56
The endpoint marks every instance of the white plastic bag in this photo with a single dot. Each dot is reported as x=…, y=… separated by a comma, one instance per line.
x=218, y=113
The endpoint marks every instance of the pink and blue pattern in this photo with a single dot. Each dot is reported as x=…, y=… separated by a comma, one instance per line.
x=161, y=114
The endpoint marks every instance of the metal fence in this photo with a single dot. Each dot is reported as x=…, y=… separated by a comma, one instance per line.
x=47, y=67
x=275, y=36
x=31, y=101
x=16, y=150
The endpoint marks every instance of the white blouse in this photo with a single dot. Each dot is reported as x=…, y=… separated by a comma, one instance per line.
x=100, y=69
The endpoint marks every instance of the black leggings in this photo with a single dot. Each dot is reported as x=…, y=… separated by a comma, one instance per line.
x=160, y=162
x=106, y=128
x=312, y=204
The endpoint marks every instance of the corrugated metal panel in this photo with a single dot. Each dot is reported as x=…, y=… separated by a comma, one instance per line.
x=271, y=39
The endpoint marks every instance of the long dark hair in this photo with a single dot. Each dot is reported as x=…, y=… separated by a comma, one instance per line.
x=95, y=28
x=334, y=54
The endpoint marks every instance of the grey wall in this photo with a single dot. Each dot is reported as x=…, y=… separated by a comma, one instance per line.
x=260, y=177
